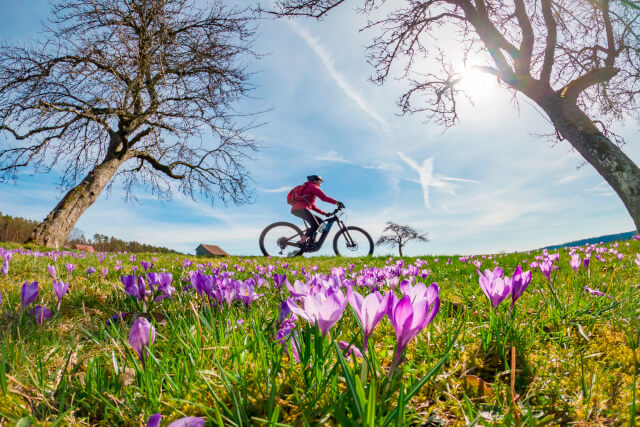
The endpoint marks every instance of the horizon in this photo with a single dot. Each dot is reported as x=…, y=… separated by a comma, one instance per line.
x=487, y=185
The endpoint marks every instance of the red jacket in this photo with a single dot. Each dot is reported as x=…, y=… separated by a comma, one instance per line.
x=315, y=191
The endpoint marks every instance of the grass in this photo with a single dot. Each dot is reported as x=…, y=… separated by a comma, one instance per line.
x=570, y=359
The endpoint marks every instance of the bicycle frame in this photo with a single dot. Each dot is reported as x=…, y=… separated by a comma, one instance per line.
x=324, y=229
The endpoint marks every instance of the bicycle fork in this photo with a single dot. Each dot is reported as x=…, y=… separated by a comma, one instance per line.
x=350, y=242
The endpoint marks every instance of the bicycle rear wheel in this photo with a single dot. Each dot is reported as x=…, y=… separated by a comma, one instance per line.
x=280, y=237
x=353, y=242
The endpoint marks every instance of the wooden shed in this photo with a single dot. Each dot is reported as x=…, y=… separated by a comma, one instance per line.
x=86, y=248
x=210, y=250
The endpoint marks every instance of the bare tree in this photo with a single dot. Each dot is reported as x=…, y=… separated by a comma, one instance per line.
x=578, y=60
x=399, y=236
x=143, y=90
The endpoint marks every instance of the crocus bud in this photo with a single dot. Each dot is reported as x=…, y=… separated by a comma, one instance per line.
x=29, y=293
x=141, y=336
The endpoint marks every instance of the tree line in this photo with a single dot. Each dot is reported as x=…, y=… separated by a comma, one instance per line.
x=17, y=229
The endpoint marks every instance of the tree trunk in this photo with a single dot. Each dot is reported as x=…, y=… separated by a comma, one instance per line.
x=55, y=228
x=400, y=249
x=617, y=169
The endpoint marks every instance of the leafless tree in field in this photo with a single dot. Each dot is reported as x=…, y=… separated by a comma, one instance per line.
x=143, y=90
x=399, y=235
x=578, y=60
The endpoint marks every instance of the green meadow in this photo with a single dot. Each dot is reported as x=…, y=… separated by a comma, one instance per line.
x=566, y=353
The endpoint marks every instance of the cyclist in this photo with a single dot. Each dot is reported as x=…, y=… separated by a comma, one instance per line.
x=303, y=205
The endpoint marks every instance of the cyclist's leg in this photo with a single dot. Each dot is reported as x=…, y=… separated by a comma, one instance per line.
x=315, y=224
x=312, y=221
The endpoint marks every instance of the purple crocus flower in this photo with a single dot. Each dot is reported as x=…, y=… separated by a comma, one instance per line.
x=129, y=282
x=284, y=331
x=247, y=293
x=141, y=336
x=41, y=313
x=637, y=260
x=594, y=291
x=164, y=285
x=494, y=286
x=52, y=271
x=284, y=311
x=60, y=288
x=409, y=318
x=188, y=422
x=70, y=267
x=5, y=267
x=146, y=265
x=28, y=294
x=575, y=262
x=105, y=271
x=323, y=309
x=229, y=291
x=585, y=262
x=519, y=283
x=351, y=349
x=91, y=270
x=370, y=310
x=154, y=420
x=545, y=268
x=279, y=280
x=597, y=293
x=118, y=317
x=298, y=289
x=183, y=422
x=132, y=286
x=287, y=335
x=202, y=283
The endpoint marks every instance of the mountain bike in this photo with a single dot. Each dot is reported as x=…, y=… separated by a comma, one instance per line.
x=349, y=241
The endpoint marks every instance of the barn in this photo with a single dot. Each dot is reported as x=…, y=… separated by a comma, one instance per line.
x=210, y=250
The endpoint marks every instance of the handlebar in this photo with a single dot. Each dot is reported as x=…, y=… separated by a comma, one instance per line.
x=335, y=211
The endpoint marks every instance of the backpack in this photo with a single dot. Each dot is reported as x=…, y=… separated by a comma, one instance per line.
x=295, y=195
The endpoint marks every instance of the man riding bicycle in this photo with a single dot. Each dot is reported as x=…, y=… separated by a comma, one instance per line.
x=305, y=201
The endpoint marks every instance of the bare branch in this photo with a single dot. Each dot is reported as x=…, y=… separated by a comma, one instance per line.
x=585, y=81
x=166, y=169
x=523, y=61
x=550, y=42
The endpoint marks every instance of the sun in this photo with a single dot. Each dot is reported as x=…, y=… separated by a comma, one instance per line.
x=476, y=84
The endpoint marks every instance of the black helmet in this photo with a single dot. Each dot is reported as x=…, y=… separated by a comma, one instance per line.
x=312, y=178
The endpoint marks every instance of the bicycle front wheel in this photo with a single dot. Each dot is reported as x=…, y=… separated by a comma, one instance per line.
x=280, y=239
x=353, y=242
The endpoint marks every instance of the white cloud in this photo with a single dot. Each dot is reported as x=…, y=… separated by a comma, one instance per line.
x=332, y=156
x=603, y=189
x=275, y=190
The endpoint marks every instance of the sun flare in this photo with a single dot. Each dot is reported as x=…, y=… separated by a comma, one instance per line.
x=475, y=83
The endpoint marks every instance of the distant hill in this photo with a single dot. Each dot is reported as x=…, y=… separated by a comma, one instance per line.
x=604, y=239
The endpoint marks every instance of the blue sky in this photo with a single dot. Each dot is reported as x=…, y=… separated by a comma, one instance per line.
x=487, y=185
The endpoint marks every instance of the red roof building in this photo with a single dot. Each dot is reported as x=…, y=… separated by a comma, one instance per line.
x=210, y=250
x=86, y=248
